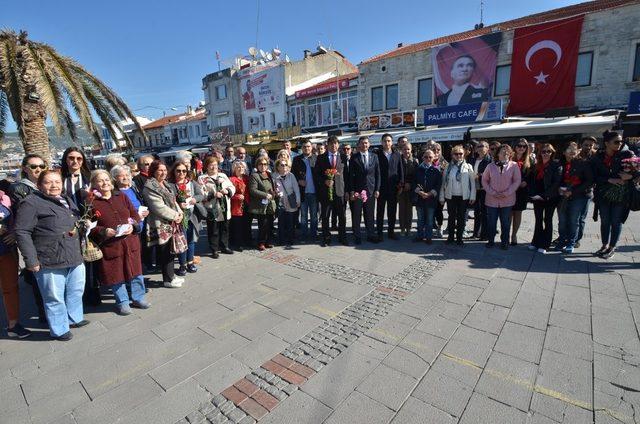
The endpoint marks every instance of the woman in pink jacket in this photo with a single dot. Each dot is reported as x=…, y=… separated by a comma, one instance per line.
x=500, y=180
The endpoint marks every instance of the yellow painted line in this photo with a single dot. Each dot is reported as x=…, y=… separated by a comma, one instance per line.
x=325, y=311
x=536, y=388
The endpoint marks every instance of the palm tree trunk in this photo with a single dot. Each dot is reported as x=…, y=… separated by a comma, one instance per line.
x=33, y=131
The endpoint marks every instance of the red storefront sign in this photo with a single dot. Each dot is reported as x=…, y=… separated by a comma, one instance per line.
x=319, y=89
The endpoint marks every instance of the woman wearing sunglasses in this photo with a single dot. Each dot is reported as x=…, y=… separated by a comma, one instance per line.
x=522, y=157
x=544, y=184
x=612, y=187
x=459, y=191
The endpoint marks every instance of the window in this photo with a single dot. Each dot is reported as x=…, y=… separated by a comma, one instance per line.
x=636, y=65
x=583, y=70
x=503, y=80
x=262, y=124
x=223, y=120
x=425, y=91
x=221, y=92
x=391, y=96
x=273, y=119
x=198, y=131
x=376, y=99
x=190, y=132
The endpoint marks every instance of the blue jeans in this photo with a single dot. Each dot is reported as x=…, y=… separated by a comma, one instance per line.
x=62, y=295
x=187, y=255
x=610, y=221
x=309, y=216
x=505, y=223
x=582, y=219
x=137, y=291
x=285, y=226
x=569, y=220
x=426, y=215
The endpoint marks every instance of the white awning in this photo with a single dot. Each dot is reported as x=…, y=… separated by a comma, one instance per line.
x=440, y=134
x=585, y=125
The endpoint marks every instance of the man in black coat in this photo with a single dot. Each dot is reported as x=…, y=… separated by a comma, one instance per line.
x=331, y=190
x=391, y=175
x=364, y=175
x=480, y=161
x=303, y=169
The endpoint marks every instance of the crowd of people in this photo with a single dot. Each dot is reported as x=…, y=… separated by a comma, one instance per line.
x=79, y=230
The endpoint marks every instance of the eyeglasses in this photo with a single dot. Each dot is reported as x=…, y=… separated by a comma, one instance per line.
x=41, y=166
x=74, y=158
x=458, y=154
x=546, y=152
x=181, y=171
x=522, y=146
x=146, y=164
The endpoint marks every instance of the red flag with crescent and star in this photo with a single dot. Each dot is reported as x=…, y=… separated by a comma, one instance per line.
x=543, y=66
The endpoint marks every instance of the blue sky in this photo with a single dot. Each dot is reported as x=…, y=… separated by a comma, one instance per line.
x=155, y=53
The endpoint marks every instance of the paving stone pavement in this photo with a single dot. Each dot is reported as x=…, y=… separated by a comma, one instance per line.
x=396, y=332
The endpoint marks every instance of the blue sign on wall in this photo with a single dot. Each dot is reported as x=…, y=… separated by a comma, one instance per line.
x=470, y=112
x=634, y=102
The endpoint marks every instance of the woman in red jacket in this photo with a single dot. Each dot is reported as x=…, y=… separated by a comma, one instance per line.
x=239, y=204
x=115, y=233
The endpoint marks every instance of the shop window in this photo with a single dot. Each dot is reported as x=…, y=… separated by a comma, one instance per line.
x=425, y=91
x=583, y=70
x=391, y=96
x=503, y=79
x=376, y=99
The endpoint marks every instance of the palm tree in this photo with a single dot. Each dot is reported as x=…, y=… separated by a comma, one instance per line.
x=36, y=83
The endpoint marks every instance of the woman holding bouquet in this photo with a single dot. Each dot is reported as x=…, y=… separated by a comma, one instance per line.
x=117, y=225
x=240, y=222
x=189, y=197
x=289, y=194
x=263, y=201
x=218, y=191
x=612, y=178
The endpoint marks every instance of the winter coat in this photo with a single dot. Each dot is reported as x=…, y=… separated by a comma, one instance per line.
x=467, y=180
x=120, y=255
x=218, y=208
x=503, y=181
x=430, y=181
x=259, y=187
x=163, y=209
x=197, y=210
x=286, y=185
x=241, y=185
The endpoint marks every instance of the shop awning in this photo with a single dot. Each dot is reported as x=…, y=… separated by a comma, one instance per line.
x=585, y=125
x=441, y=134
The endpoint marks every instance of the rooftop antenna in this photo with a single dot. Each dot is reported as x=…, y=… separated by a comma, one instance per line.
x=257, y=20
x=481, y=13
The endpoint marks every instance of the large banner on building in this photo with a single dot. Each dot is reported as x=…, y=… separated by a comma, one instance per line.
x=469, y=112
x=262, y=89
x=464, y=71
x=543, y=66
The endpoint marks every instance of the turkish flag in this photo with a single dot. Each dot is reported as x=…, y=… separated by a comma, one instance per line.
x=543, y=66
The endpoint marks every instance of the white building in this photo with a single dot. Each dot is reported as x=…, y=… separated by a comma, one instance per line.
x=128, y=126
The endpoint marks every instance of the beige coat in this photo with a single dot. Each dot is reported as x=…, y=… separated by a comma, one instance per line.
x=162, y=205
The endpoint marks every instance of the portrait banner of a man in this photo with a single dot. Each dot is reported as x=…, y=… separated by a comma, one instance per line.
x=464, y=71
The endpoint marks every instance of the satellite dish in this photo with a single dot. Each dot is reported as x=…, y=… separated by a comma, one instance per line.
x=253, y=51
x=276, y=52
x=263, y=54
x=269, y=56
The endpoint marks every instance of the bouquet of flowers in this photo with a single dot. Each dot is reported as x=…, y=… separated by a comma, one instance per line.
x=182, y=197
x=331, y=174
x=361, y=195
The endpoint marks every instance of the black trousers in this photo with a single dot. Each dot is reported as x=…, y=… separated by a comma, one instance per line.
x=237, y=231
x=265, y=228
x=248, y=222
x=218, y=234
x=480, y=215
x=335, y=209
x=391, y=203
x=30, y=278
x=543, y=232
x=439, y=215
x=356, y=216
x=457, y=208
x=165, y=261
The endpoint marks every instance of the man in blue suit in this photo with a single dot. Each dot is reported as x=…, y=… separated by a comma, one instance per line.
x=364, y=181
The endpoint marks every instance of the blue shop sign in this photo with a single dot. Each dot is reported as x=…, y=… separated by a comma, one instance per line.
x=634, y=102
x=470, y=112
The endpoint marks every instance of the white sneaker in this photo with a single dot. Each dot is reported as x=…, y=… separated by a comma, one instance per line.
x=178, y=278
x=173, y=284
x=531, y=247
x=543, y=251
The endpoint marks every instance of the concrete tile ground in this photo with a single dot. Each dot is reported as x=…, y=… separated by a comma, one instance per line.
x=493, y=336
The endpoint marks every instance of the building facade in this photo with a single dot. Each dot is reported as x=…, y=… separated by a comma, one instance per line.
x=608, y=68
x=222, y=103
x=129, y=127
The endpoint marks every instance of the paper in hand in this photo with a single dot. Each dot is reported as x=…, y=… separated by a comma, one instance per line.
x=122, y=229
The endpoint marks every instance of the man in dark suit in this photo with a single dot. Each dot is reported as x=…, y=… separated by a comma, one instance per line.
x=364, y=175
x=303, y=170
x=331, y=190
x=391, y=174
x=480, y=162
x=462, y=91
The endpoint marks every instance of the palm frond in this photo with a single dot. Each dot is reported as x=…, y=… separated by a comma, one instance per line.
x=102, y=109
x=10, y=79
x=3, y=114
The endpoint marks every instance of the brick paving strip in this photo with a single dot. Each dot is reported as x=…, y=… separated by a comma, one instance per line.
x=259, y=392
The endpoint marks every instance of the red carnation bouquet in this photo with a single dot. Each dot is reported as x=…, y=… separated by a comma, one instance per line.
x=181, y=197
x=331, y=174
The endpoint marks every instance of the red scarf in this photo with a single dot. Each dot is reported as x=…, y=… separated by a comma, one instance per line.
x=520, y=164
x=540, y=168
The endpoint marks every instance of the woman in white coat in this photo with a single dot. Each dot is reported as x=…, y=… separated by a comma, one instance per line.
x=459, y=191
x=218, y=191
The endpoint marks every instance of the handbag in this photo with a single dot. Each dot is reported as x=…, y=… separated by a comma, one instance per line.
x=91, y=252
x=178, y=239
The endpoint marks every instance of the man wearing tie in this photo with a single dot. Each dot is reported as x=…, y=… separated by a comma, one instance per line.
x=364, y=172
x=391, y=174
x=331, y=190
